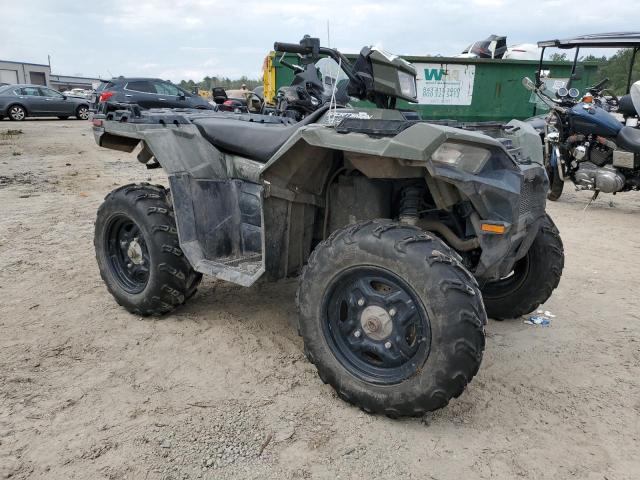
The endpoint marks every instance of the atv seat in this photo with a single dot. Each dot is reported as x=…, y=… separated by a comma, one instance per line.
x=629, y=139
x=250, y=136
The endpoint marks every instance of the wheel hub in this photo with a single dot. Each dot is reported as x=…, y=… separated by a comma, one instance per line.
x=375, y=325
x=134, y=251
x=376, y=322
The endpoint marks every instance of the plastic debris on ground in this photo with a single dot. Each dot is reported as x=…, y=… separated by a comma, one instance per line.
x=542, y=318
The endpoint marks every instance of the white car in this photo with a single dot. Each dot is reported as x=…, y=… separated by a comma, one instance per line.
x=77, y=92
x=522, y=51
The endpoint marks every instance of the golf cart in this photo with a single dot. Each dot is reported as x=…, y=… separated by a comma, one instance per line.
x=404, y=234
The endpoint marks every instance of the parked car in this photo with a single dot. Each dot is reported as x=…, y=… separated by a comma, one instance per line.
x=148, y=93
x=24, y=100
x=78, y=92
x=522, y=51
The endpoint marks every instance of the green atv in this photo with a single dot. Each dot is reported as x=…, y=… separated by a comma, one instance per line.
x=405, y=234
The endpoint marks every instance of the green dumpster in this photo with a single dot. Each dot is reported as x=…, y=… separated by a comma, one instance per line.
x=471, y=89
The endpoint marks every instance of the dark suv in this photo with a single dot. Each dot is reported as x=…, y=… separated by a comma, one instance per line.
x=148, y=93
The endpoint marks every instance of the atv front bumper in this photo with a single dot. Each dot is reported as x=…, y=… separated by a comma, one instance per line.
x=527, y=210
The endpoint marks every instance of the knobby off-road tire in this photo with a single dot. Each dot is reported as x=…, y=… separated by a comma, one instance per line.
x=138, y=252
x=533, y=280
x=390, y=262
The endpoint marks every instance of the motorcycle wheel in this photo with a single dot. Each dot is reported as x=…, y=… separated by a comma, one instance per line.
x=556, y=184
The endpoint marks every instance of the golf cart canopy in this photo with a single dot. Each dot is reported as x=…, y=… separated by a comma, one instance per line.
x=597, y=40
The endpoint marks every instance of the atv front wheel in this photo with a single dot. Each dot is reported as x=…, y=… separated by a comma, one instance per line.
x=390, y=318
x=534, y=277
x=138, y=253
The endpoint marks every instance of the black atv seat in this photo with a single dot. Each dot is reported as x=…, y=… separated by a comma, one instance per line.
x=250, y=135
x=629, y=139
x=626, y=107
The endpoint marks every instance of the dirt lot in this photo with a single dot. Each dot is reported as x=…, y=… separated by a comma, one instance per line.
x=221, y=389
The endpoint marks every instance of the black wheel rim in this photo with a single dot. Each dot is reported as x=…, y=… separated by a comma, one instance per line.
x=376, y=325
x=127, y=253
x=509, y=284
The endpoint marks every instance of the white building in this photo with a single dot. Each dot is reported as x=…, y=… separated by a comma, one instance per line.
x=21, y=72
x=39, y=74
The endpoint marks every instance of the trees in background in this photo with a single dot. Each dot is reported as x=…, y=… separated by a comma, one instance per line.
x=616, y=67
x=208, y=83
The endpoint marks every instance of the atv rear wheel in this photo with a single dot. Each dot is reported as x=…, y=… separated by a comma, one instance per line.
x=533, y=280
x=390, y=318
x=138, y=253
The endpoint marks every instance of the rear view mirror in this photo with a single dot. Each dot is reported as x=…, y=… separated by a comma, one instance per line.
x=528, y=84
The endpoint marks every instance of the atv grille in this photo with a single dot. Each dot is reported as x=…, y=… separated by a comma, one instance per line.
x=526, y=198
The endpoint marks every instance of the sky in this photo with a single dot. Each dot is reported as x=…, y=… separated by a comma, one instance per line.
x=191, y=39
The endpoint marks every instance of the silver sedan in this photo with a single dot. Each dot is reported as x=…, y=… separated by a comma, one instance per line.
x=20, y=101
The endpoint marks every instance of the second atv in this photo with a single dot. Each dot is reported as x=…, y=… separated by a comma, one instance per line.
x=405, y=234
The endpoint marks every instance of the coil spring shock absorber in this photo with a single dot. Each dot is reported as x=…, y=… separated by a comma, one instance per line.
x=410, y=198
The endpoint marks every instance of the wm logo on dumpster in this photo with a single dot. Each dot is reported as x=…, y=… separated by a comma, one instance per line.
x=439, y=74
x=434, y=74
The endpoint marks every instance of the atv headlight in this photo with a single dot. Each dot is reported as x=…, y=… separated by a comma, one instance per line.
x=407, y=84
x=467, y=157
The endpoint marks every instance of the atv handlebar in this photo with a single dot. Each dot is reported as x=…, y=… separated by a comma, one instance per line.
x=308, y=50
x=292, y=48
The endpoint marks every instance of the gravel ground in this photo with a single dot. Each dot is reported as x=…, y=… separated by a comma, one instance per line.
x=221, y=390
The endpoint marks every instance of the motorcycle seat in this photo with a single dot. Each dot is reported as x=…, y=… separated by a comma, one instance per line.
x=629, y=139
x=250, y=136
